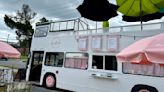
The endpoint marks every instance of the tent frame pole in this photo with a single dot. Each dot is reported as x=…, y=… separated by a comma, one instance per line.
x=141, y=14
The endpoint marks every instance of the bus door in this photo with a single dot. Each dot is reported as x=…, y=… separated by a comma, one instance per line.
x=36, y=66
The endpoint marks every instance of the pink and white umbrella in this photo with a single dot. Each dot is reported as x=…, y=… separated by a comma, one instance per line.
x=8, y=51
x=148, y=49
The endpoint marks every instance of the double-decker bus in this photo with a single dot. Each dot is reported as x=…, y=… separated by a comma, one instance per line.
x=69, y=55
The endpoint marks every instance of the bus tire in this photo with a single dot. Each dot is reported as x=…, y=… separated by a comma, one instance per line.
x=49, y=81
x=143, y=88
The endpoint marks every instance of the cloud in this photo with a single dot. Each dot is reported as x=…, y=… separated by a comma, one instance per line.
x=5, y=32
x=52, y=10
x=62, y=9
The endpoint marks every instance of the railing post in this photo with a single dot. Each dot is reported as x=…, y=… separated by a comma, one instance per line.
x=121, y=28
x=162, y=25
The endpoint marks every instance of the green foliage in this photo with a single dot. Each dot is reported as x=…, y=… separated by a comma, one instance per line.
x=42, y=20
x=22, y=23
x=24, y=58
x=9, y=22
x=25, y=14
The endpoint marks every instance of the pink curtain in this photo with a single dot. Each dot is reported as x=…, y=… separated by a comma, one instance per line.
x=143, y=69
x=79, y=63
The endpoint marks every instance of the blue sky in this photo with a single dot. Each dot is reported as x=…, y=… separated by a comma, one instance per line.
x=51, y=9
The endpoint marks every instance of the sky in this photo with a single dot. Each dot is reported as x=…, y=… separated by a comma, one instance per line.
x=51, y=9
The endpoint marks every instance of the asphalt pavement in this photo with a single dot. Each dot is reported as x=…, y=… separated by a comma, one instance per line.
x=36, y=88
x=20, y=64
x=13, y=63
x=41, y=89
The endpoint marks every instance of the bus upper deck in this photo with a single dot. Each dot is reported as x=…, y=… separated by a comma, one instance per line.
x=50, y=32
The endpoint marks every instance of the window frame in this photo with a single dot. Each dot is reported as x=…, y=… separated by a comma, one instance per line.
x=47, y=26
x=33, y=57
x=97, y=39
x=104, y=63
x=53, y=61
x=74, y=67
x=56, y=26
x=83, y=40
x=154, y=73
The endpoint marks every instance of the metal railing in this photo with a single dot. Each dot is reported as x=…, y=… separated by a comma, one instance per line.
x=80, y=27
x=126, y=28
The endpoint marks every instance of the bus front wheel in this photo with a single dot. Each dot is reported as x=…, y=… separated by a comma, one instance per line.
x=143, y=88
x=49, y=81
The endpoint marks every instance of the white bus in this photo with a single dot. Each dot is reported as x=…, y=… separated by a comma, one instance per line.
x=69, y=55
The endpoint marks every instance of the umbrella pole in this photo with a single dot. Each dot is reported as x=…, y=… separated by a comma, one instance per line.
x=141, y=15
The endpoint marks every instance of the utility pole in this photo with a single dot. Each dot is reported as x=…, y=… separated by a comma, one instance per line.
x=8, y=37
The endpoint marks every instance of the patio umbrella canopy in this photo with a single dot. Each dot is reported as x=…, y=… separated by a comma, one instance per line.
x=145, y=18
x=139, y=10
x=97, y=10
x=8, y=51
x=149, y=49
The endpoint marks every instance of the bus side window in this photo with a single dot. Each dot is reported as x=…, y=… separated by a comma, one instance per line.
x=110, y=63
x=54, y=59
x=76, y=60
x=94, y=65
x=60, y=63
x=97, y=62
x=104, y=62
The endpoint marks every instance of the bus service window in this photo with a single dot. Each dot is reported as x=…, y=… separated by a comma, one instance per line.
x=94, y=66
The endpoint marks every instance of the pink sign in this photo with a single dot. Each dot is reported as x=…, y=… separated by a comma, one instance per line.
x=113, y=43
x=83, y=43
x=97, y=43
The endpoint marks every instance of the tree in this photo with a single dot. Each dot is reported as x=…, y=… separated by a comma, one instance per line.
x=42, y=20
x=22, y=23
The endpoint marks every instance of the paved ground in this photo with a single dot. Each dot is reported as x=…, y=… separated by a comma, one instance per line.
x=13, y=63
x=34, y=89
x=42, y=89
x=19, y=64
